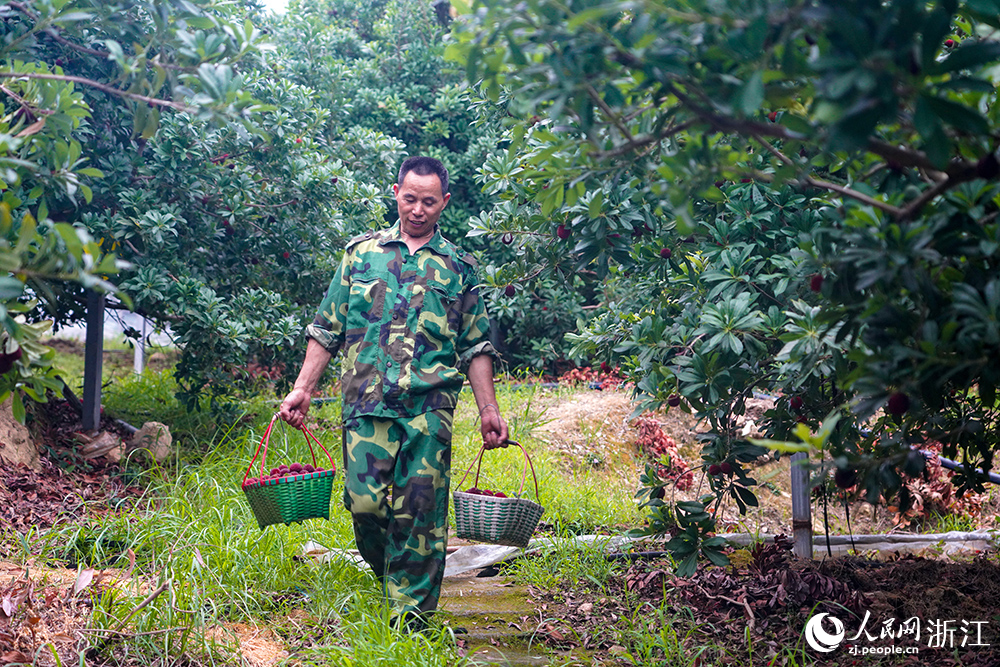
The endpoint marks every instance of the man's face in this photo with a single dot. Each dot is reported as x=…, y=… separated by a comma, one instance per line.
x=419, y=202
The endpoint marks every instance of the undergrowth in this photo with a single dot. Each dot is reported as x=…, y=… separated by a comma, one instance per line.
x=193, y=561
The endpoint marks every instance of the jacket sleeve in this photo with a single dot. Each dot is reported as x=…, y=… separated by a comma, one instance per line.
x=328, y=326
x=474, y=333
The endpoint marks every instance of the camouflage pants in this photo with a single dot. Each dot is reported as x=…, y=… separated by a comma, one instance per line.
x=402, y=538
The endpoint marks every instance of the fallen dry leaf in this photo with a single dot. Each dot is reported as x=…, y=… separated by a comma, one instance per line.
x=83, y=579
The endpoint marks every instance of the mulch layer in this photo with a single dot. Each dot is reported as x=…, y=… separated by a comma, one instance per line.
x=925, y=611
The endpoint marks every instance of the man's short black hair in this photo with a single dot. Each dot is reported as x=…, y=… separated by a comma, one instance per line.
x=422, y=165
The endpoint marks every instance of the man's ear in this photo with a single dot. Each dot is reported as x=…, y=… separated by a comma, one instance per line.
x=446, y=197
x=395, y=189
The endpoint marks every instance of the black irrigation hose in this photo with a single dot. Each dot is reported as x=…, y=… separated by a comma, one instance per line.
x=955, y=465
x=637, y=555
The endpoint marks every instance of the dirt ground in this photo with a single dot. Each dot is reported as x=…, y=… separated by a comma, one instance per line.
x=595, y=427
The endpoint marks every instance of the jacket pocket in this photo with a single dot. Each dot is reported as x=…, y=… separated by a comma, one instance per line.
x=367, y=303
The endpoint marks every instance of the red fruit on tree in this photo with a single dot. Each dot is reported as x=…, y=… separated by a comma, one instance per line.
x=714, y=469
x=604, y=367
x=845, y=478
x=773, y=116
x=726, y=467
x=298, y=140
x=816, y=282
x=665, y=253
x=286, y=254
x=949, y=43
x=508, y=291
x=674, y=401
x=746, y=180
x=898, y=404
x=562, y=232
x=796, y=403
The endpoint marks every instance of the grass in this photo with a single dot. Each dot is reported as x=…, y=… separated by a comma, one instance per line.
x=195, y=536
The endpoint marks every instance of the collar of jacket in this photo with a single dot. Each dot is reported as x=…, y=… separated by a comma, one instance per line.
x=437, y=242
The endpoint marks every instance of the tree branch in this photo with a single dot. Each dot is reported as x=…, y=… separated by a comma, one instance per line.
x=827, y=185
x=24, y=104
x=100, y=86
x=610, y=114
x=644, y=140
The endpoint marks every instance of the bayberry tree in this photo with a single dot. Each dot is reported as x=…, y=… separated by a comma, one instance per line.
x=823, y=178
x=71, y=75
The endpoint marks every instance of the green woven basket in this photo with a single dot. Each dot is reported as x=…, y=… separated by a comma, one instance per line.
x=293, y=497
x=506, y=521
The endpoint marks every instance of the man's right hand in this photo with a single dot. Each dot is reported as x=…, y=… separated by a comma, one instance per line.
x=295, y=406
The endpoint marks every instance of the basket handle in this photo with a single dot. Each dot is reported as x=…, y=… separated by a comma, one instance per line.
x=309, y=434
x=266, y=438
x=527, y=462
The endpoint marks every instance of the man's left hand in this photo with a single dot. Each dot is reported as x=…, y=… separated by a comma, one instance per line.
x=493, y=428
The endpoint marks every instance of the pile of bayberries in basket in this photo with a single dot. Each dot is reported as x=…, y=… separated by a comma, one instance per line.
x=486, y=492
x=294, y=469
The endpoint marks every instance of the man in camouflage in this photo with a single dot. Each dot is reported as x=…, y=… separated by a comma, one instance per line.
x=405, y=310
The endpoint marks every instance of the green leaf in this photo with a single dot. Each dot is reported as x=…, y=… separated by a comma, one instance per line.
x=936, y=143
x=27, y=233
x=716, y=557
x=969, y=54
x=958, y=115
x=17, y=407
x=152, y=124
x=10, y=288
x=782, y=445
x=688, y=566
x=596, y=205
x=751, y=96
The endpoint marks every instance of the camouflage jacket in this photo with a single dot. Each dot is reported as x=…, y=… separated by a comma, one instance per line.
x=409, y=325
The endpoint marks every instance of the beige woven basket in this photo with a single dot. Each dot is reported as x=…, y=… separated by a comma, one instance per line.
x=506, y=521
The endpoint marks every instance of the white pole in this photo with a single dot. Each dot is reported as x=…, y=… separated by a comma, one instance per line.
x=139, y=358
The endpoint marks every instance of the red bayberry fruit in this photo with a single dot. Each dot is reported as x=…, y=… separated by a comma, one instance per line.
x=659, y=492
x=674, y=401
x=286, y=254
x=298, y=140
x=509, y=290
x=845, y=478
x=562, y=232
x=746, y=180
x=499, y=494
x=714, y=469
x=295, y=467
x=898, y=404
x=604, y=367
x=773, y=116
x=949, y=43
x=334, y=180
x=796, y=403
x=816, y=282
x=665, y=253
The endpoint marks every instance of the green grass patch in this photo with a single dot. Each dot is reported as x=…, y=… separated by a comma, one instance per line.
x=195, y=535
